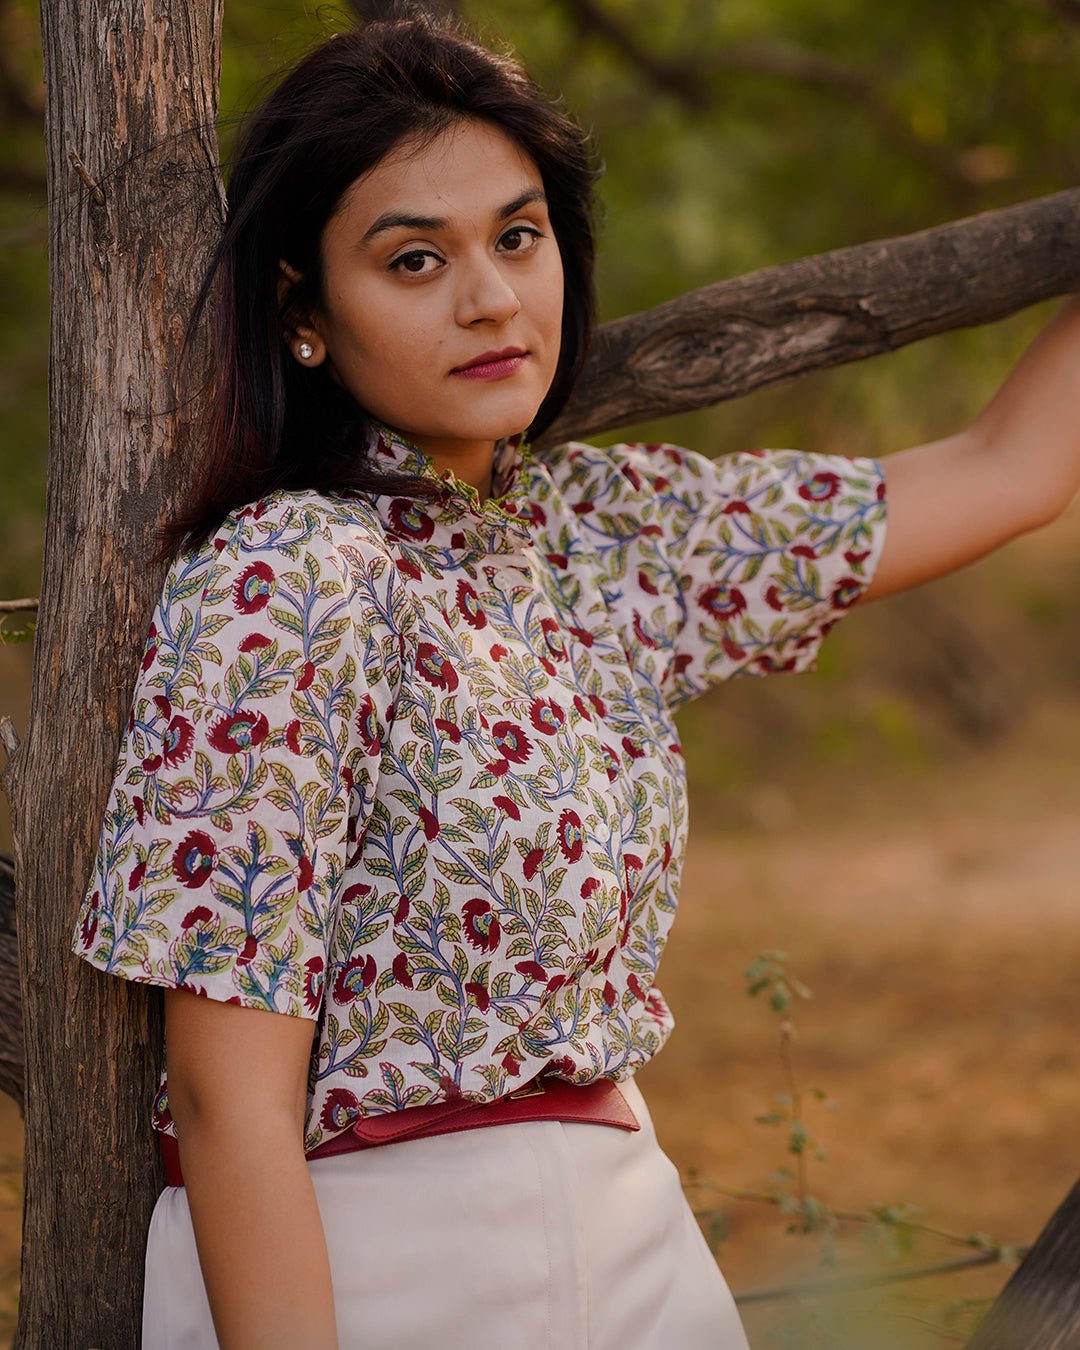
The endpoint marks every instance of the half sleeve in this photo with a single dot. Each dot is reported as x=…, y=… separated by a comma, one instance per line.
x=248, y=761
x=768, y=550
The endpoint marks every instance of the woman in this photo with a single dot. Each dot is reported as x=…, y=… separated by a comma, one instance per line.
x=400, y=793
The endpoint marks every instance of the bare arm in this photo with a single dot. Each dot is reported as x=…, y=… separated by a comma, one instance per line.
x=1016, y=467
x=237, y=1091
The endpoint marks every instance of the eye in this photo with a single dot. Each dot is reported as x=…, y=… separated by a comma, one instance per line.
x=520, y=239
x=416, y=262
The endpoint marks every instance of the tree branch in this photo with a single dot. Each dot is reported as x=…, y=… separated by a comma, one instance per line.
x=736, y=336
x=693, y=85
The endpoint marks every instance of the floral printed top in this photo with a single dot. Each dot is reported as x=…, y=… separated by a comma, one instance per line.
x=410, y=770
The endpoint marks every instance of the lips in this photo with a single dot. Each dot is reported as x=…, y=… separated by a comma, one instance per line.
x=492, y=365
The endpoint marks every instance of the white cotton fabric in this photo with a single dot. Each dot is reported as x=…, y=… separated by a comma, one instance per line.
x=535, y=1236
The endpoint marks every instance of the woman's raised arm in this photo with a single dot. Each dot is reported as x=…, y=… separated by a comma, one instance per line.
x=1015, y=468
x=237, y=1092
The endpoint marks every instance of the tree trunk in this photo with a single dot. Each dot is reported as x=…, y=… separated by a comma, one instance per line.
x=733, y=337
x=131, y=90
x=1039, y=1308
x=11, y=1028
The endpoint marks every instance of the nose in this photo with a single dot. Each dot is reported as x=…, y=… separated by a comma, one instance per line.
x=485, y=294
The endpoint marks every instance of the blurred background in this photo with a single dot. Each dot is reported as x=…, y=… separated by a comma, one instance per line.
x=903, y=823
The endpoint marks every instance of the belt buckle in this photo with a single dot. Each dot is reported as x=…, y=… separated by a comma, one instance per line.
x=533, y=1089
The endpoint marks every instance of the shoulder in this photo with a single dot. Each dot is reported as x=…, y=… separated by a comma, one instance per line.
x=278, y=538
x=638, y=470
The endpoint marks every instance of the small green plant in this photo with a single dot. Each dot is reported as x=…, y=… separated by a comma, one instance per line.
x=10, y=637
x=892, y=1229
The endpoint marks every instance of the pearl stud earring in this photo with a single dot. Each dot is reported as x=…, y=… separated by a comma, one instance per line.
x=306, y=351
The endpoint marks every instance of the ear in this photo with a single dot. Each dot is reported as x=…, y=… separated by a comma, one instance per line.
x=302, y=338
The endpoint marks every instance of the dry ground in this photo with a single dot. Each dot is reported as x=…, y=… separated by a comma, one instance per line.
x=935, y=922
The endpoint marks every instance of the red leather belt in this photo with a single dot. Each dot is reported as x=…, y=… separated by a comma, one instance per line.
x=599, y=1103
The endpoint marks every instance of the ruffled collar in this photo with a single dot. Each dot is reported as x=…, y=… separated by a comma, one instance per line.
x=458, y=521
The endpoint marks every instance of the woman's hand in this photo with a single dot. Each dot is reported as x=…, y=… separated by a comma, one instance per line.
x=237, y=1091
x=1015, y=468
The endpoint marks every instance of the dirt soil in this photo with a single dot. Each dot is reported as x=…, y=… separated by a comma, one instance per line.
x=934, y=918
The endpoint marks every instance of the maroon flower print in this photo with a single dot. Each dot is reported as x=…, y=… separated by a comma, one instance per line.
x=248, y=951
x=468, y=603
x=400, y=969
x=366, y=724
x=533, y=859
x=571, y=836
x=88, y=927
x=479, y=994
x=430, y=822
x=845, y=593
x=435, y=668
x=509, y=806
x=411, y=521
x=546, y=716
x=254, y=642
x=532, y=970
x=194, y=859
x=339, y=1110
x=355, y=979
x=200, y=914
x=237, y=733
x=721, y=602
x=821, y=488
x=176, y=742
x=481, y=925
x=254, y=587
x=449, y=730
x=511, y=742
x=292, y=736
x=772, y=598
x=313, y=984
x=150, y=655
x=138, y=872
x=553, y=638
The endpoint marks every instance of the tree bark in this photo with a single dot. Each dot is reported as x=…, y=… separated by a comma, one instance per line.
x=1039, y=1308
x=11, y=1028
x=736, y=336
x=131, y=95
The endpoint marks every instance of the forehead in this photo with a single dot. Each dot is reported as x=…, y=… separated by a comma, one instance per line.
x=470, y=170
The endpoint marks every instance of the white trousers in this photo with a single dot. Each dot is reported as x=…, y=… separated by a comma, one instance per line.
x=536, y=1236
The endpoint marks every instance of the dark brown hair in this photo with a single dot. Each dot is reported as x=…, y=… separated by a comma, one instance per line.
x=275, y=423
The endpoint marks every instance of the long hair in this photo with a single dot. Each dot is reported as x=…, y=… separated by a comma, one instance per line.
x=333, y=118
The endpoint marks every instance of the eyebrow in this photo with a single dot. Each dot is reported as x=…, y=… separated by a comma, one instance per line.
x=393, y=220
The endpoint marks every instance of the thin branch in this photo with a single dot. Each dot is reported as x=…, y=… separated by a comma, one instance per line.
x=850, y=1283
x=18, y=606
x=695, y=86
x=676, y=79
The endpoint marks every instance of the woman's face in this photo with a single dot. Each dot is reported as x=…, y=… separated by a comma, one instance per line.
x=442, y=295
